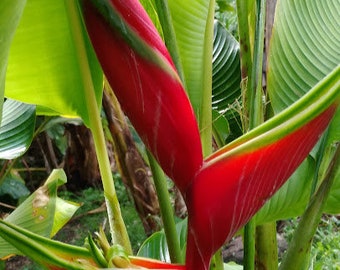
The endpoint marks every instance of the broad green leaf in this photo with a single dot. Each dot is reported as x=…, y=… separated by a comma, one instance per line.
x=42, y=212
x=226, y=70
x=10, y=13
x=302, y=53
x=190, y=20
x=156, y=247
x=16, y=129
x=14, y=186
x=43, y=67
x=292, y=198
x=226, y=80
x=221, y=129
x=193, y=25
x=304, y=48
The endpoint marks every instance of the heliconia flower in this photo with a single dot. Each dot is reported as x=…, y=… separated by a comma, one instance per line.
x=225, y=190
x=142, y=76
x=233, y=185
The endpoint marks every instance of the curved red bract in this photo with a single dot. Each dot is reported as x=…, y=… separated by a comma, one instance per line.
x=226, y=194
x=153, y=264
x=154, y=100
x=221, y=195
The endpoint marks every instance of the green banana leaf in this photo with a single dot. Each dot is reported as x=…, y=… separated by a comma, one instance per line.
x=42, y=212
x=156, y=247
x=304, y=50
x=193, y=25
x=43, y=67
x=10, y=13
x=226, y=80
x=14, y=186
x=16, y=129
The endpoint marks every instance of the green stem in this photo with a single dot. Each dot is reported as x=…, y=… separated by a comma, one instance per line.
x=164, y=16
x=254, y=87
x=217, y=261
x=166, y=211
x=321, y=154
x=253, y=107
x=297, y=256
x=205, y=121
x=245, y=44
x=249, y=245
x=266, y=246
x=117, y=226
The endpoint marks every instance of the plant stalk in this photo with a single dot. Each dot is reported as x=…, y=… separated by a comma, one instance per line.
x=297, y=256
x=164, y=16
x=253, y=108
x=249, y=245
x=205, y=121
x=245, y=44
x=266, y=247
x=117, y=226
x=167, y=211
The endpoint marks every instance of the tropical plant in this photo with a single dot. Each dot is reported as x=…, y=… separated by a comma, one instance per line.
x=171, y=94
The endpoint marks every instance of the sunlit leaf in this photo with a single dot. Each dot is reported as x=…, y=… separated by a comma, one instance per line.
x=43, y=68
x=10, y=13
x=193, y=24
x=16, y=129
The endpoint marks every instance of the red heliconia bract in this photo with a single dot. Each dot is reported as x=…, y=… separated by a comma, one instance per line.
x=223, y=192
x=153, y=264
x=153, y=99
x=227, y=193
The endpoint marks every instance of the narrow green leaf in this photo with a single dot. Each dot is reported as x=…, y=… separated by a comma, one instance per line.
x=53, y=254
x=16, y=129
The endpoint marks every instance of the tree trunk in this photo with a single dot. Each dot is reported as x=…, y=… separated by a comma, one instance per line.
x=81, y=164
x=132, y=167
